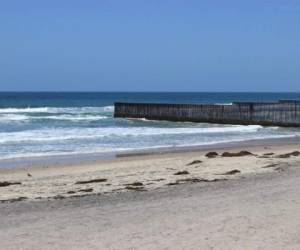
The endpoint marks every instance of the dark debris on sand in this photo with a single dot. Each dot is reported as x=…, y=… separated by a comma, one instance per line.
x=61, y=197
x=160, y=179
x=86, y=190
x=184, y=172
x=57, y=197
x=238, y=154
x=92, y=181
x=193, y=180
x=71, y=192
x=14, y=200
x=9, y=183
x=232, y=172
x=132, y=188
x=211, y=154
x=194, y=162
x=268, y=154
x=271, y=165
x=288, y=155
x=135, y=184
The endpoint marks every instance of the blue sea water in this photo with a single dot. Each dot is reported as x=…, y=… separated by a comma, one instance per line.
x=47, y=124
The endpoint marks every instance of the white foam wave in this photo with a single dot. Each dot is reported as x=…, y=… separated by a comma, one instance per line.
x=225, y=104
x=23, y=110
x=60, y=134
x=70, y=118
x=109, y=108
x=5, y=118
x=57, y=110
x=12, y=117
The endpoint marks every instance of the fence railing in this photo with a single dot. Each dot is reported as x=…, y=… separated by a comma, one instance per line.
x=282, y=113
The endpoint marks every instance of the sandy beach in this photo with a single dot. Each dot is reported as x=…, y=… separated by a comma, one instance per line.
x=233, y=197
x=145, y=172
x=214, y=206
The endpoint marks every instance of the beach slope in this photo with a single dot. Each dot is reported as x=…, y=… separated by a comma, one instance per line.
x=259, y=212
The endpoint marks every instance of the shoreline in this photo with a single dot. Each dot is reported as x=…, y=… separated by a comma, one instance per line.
x=82, y=158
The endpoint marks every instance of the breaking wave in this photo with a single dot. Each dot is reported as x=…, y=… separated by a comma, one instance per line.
x=93, y=133
x=57, y=110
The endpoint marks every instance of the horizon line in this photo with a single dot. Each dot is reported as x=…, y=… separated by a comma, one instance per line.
x=99, y=91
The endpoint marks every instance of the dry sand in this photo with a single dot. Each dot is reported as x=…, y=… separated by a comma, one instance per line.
x=254, y=205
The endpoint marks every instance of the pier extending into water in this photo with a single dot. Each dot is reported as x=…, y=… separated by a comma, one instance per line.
x=282, y=113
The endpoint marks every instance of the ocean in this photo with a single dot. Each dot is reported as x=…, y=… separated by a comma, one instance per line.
x=57, y=124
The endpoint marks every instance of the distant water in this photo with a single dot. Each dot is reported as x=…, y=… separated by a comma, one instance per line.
x=46, y=124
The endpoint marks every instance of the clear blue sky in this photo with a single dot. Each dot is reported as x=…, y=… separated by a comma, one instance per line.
x=150, y=45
